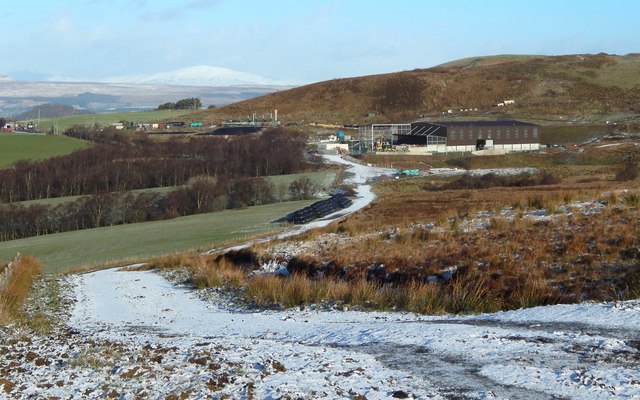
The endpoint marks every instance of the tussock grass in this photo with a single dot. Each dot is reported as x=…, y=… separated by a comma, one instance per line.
x=461, y=296
x=16, y=285
x=219, y=273
x=264, y=290
x=204, y=271
x=425, y=299
x=532, y=292
x=466, y=295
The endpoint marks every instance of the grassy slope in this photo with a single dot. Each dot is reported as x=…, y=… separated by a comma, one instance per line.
x=108, y=118
x=560, y=88
x=63, y=251
x=14, y=147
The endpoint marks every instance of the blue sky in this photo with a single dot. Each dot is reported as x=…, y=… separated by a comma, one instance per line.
x=298, y=41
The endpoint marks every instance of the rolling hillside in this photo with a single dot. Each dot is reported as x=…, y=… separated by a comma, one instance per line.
x=578, y=87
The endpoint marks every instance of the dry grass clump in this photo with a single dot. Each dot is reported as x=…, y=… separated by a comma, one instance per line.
x=219, y=272
x=299, y=289
x=465, y=295
x=532, y=292
x=176, y=260
x=203, y=271
x=16, y=285
x=459, y=296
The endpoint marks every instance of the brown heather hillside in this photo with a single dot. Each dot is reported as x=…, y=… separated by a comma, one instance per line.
x=578, y=87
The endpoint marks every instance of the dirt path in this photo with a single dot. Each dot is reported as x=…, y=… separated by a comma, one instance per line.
x=558, y=345
x=488, y=356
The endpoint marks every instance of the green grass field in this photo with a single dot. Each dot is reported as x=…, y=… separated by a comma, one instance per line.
x=61, y=252
x=14, y=147
x=65, y=123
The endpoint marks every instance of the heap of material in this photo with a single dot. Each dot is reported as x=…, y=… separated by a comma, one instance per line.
x=319, y=209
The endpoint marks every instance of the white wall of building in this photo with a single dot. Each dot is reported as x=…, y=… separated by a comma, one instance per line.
x=333, y=148
x=507, y=147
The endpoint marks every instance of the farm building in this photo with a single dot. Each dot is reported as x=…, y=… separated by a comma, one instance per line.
x=458, y=136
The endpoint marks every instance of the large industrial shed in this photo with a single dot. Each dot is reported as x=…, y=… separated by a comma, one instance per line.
x=464, y=136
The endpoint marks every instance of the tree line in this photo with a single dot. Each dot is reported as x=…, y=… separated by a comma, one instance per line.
x=192, y=103
x=115, y=165
x=209, y=174
x=202, y=194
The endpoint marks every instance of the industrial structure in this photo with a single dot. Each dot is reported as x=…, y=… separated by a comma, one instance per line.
x=451, y=136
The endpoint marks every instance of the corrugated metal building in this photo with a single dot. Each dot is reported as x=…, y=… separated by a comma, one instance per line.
x=459, y=136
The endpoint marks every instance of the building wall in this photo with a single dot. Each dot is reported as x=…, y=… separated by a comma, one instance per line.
x=500, y=134
x=463, y=137
x=420, y=132
x=333, y=148
x=508, y=147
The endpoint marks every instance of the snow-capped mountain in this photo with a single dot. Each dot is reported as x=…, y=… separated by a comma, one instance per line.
x=4, y=78
x=201, y=75
x=213, y=85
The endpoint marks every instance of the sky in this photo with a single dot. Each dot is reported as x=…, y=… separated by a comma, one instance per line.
x=298, y=41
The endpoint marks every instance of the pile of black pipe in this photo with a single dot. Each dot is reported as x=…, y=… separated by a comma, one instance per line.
x=319, y=209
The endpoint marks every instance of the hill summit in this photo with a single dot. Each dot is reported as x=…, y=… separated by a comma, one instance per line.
x=576, y=87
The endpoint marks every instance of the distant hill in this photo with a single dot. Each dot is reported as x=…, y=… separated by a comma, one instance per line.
x=575, y=87
x=17, y=96
x=200, y=75
x=49, y=111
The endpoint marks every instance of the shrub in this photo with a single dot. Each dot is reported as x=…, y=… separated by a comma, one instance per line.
x=302, y=188
x=16, y=285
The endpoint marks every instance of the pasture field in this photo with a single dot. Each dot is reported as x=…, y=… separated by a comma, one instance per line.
x=17, y=146
x=101, y=246
x=65, y=123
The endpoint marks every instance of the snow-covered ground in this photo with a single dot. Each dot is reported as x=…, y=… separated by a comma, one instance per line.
x=133, y=334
